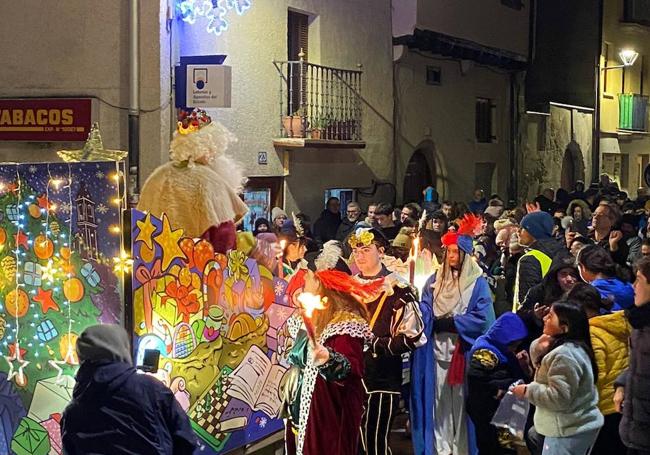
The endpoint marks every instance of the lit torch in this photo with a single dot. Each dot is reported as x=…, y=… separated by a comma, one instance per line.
x=413, y=256
x=310, y=302
x=280, y=258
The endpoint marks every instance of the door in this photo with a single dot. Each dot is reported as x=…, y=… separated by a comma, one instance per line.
x=417, y=177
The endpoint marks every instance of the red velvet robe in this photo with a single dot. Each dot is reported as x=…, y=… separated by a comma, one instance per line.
x=336, y=407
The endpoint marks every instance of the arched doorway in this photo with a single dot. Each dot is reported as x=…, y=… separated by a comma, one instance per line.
x=573, y=167
x=418, y=175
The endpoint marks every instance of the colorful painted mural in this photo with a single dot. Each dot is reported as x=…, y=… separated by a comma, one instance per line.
x=60, y=226
x=219, y=322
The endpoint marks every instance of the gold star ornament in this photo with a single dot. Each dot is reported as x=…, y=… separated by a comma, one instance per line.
x=168, y=241
x=93, y=150
x=146, y=230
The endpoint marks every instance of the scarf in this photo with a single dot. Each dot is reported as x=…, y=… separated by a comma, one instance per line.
x=450, y=284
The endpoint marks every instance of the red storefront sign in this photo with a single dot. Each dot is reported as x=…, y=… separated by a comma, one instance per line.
x=45, y=119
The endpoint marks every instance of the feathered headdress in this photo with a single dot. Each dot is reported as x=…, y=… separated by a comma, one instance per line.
x=470, y=226
x=300, y=230
x=423, y=220
x=331, y=257
x=343, y=282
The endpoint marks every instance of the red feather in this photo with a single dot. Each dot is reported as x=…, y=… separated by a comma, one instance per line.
x=342, y=282
x=470, y=225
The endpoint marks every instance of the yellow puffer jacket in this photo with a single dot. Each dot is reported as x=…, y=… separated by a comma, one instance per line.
x=609, y=337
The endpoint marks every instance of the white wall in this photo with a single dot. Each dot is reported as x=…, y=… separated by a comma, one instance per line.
x=445, y=115
x=342, y=34
x=79, y=48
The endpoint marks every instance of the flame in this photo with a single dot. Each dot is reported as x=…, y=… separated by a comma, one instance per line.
x=311, y=302
x=415, y=249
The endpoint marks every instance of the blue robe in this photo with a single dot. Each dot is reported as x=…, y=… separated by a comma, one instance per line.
x=470, y=325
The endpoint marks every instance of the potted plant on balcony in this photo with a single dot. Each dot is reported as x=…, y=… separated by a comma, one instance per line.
x=319, y=124
x=294, y=125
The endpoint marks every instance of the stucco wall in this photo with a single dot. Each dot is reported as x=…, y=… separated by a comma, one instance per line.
x=544, y=141
x=445, y=115
x=336, y=39
x=79, y=48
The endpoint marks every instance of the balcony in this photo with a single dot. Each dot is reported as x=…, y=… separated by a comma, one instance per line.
x=320, y=106
x=632, y=113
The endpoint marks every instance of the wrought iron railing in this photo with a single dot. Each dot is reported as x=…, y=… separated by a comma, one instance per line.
x=319, y=102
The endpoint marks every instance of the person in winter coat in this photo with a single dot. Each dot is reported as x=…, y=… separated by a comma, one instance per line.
x=493, y=367
x=598, y=269
x=535, y=235
x=563, y=391
x=609, y=339
x=632, y=396
x=580, y=215
x=558, y=282
x=114, y=410
x=328, y=223
x=353, y=215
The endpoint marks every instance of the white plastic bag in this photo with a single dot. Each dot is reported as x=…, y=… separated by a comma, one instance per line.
x=512, y=414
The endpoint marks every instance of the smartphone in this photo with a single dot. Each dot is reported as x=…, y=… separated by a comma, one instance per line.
x=150, y=361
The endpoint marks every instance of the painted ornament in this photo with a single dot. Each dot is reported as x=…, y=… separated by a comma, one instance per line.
x=17, y=303
x=34, y=211
x=9, y=268
x=67, y=347
x=73, y=289
x=43, y=247
x=55, y=228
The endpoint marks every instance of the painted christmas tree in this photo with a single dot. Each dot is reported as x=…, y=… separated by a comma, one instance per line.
x=46, y=288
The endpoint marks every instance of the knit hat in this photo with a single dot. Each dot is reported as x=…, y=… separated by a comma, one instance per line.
x=104, y=342
x=404, y=238
x=276, y=212
x=538, y=224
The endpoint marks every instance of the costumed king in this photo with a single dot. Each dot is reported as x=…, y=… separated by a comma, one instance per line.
x=457, y=309
x=323, y=390
x=198, y=188
x=397, y=328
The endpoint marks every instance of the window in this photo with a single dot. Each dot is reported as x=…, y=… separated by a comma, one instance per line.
x=637, y=11
x=485, y=121
x=297, y=42
x=434, y=75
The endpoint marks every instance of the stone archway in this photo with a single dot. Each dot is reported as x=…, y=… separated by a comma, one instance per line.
x=573, y=166
x=419, y=173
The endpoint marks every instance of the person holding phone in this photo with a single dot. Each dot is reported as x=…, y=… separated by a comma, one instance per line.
x=114, y=410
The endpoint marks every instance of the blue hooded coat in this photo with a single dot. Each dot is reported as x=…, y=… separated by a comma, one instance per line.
x=470, y=325
x=616, y=291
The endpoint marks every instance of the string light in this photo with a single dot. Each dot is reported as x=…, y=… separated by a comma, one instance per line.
x=122, y=263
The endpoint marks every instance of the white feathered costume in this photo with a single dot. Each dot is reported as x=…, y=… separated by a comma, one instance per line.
x=199, y=187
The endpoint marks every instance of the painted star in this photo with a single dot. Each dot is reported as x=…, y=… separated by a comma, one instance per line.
x=168, y=241
x=44, y=298
x=146, y=229
x=21, y=240
x=43, y=202
x=16, y=356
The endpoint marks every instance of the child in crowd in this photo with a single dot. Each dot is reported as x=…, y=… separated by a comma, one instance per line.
x=563, y=391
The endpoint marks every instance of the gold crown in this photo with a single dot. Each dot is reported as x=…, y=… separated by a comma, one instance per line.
x=191, y=122
x=362, y=237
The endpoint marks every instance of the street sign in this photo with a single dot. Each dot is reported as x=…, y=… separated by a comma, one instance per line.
x=208, y=86
x=45, y=119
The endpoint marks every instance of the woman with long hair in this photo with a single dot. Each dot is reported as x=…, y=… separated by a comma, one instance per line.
x=597, y=268
x=563, y=392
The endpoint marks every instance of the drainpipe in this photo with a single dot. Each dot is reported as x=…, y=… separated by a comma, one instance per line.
x=134, y=102
x=595, y=143
x=514, y=129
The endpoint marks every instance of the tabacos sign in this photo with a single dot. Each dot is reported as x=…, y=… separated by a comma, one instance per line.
x=45, y=119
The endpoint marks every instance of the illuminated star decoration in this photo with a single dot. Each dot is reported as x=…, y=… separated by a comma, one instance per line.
x=122, y=263
x=93, y=150
x=146, y=230
x=21, y=240
x=216, y=18
x=49, y=271
x=44, y=298
x=68, y=360
x=214, y=11
x=168, y=241
x=16, y=355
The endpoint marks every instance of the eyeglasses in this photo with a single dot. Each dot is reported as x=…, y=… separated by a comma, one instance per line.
x=353, y=212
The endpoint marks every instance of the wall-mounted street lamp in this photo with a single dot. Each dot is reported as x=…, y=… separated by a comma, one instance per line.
x=627, y=56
